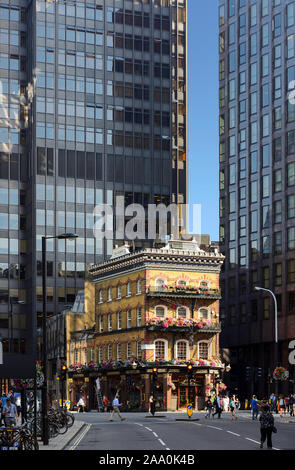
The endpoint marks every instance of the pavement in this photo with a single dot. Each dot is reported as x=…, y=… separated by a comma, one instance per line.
x=73, y=437
x=61, y=441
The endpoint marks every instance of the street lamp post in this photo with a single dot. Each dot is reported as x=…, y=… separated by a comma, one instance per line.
x=276, y=348
x=64, y=236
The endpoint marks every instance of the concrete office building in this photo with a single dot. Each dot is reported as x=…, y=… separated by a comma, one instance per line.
x=93, y=105
x=257, y=185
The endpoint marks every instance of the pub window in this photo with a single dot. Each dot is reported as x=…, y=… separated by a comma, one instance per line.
x=203, y=350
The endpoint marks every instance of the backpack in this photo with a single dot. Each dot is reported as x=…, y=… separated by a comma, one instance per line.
x=266, y=420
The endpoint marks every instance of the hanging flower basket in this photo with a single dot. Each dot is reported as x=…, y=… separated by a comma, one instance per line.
x=222, y=386
x=280, y=373
x=23, y=384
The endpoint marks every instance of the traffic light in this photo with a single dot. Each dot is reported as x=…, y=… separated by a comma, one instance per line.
x=248, y=371
x=190, y=371
x=63, y=371
x=155, y=374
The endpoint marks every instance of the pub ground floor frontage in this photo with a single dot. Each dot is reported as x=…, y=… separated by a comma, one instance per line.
x=172, y=390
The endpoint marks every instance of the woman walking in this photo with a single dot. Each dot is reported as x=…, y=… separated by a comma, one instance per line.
x=282, y=407
x=233, y=407
x=266, y=426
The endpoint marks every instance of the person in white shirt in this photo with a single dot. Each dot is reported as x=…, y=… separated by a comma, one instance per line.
x=97, y=384
x=81, y=405
x=226, y=403
x=116, y=405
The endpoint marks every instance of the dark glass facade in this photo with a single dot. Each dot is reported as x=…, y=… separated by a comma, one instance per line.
x=93, y=105
x=257, y=186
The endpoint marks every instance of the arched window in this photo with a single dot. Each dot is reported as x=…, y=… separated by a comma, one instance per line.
x=181, y=283
x=204, y=314
x=204, y=284
x=160, y=311
x=182, y=312
x=203, y=350
x=161, y=349
x=182, y=350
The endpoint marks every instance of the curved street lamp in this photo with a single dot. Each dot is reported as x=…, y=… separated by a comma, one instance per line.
x=62, y=236
x=276, y=349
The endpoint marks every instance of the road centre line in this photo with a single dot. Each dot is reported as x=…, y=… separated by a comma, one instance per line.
x=234, y=433
x=213, y=427
x=252, y=440
x=156, y=435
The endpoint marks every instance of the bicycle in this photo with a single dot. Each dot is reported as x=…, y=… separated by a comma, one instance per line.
x=18, y=438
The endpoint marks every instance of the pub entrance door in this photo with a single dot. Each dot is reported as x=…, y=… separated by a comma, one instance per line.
x=184, y=395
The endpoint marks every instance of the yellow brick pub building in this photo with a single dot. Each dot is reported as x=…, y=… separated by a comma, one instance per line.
x=155, y=308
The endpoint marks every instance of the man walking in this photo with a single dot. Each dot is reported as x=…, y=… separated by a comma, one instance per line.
x=116, y=405
x=10, y=413
x=218, y=407
x=254, y=405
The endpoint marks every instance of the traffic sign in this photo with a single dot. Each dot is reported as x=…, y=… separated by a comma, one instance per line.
x=189, y=410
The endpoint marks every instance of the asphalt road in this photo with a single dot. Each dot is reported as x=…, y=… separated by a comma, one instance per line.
x=140, y=433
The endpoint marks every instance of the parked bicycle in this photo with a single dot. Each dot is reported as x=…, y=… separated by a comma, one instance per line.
x=18, y=438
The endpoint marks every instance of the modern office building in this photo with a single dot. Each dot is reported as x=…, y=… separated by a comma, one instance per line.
x=93, y=105
x=257, y=184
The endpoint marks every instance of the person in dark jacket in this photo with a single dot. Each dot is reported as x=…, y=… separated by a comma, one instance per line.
x=291, y=404
x=266, y=426
x=209, y=407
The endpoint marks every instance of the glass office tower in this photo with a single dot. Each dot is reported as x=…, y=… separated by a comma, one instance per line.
x=257, y=183
x=93, y=106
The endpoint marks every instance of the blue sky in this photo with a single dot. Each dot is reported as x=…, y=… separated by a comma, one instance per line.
x=203, y=111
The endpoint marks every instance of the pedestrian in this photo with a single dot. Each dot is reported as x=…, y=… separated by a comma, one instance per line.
x=254, y=405
x=287, y=403
x=218, y=407
x=272, y=400
x=291, y=404
x=10, y=395
x=209, y=407
x=105, y=402
x=226, y=403
x=30, y=402
x=18, y=404
x=152, y=405
x=10, y=413
x=116, y=405
x=233, y=407
x=97, y=384
x=282, y=407
x=266, y=427
x=1, y=411
x=81, y=404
